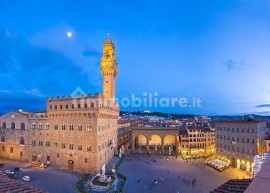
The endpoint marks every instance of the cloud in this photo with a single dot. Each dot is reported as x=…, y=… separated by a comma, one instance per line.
x=263, y=106
x=29, y=73
x=74, y=49
x=34, y=92
x=232, y=65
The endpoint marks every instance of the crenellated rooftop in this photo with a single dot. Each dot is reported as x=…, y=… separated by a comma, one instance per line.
x=90, y=96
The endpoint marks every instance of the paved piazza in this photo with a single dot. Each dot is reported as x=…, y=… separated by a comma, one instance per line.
x=171, y=175
x=52, y=179
x=169, y=172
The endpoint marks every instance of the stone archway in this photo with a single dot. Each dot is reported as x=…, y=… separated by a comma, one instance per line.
x=170, y=144
x=141, y=143
x=155, y=143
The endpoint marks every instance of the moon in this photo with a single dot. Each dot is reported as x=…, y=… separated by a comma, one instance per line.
x=69, y=34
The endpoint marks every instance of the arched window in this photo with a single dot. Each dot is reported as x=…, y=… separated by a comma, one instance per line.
x=66, y=106
x=88, y=128
x=13, y=126
x=3, y=139
x=22, y=126
x=4, y=125
x=40, y=126
x=85, y=105
x=47, y=126
x=22, y=141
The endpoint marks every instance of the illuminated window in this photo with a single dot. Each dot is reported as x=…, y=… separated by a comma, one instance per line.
x=88, y=128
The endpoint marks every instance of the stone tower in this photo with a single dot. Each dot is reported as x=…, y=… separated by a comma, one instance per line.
x=108, y=67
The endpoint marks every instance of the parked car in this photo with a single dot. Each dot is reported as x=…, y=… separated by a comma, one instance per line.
x=26, y=178
x=9, y=172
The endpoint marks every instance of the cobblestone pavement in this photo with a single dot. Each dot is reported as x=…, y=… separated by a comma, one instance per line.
x=172, y=175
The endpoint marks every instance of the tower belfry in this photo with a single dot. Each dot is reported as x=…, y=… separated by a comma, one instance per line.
x=108, y=67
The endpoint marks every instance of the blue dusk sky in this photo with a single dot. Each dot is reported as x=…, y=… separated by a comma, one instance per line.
x=216, y=50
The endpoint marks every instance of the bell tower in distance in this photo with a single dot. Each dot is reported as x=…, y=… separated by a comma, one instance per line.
x=108, y=68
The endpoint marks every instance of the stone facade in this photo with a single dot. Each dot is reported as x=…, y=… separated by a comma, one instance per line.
x=76, y=132
x=197, y=139
x=240, y=141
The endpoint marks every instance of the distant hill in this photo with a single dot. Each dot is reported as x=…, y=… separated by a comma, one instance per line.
x=237, y=117
x=159, y=114
x=179, y=116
